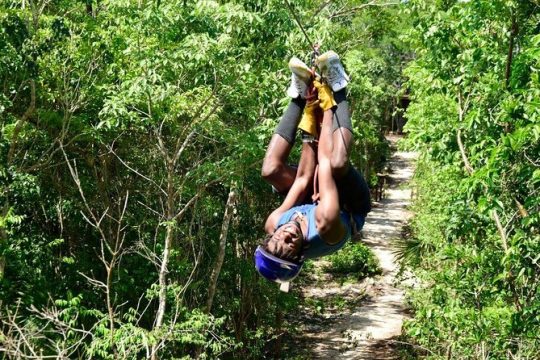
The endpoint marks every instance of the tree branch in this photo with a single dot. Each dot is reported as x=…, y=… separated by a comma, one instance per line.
x=229, y=210
x=513, y=33
x=136, y=171
x=321, y=8
x=357, y=8
x=502, y=231
x=462, y=109
x=466, y=162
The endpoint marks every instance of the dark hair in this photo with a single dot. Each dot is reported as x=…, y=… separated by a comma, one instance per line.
x=283, y=255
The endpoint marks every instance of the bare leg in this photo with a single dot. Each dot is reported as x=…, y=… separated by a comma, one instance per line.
x=275, y=169
x=352, y=187
x=342, y=135
x=342, y=139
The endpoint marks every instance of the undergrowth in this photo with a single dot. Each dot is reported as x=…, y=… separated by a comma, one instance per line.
x=354, y=259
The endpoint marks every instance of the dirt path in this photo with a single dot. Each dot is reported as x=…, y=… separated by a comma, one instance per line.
x=358, y=319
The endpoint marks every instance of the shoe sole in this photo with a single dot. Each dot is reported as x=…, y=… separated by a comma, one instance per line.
x=329, y=59
x=300, y=69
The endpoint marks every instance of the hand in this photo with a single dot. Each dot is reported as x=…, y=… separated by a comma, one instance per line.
x=325, y=94
x=309, y=118
x=312, y=94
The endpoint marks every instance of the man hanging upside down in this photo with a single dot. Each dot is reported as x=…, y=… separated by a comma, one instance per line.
x=299, y=230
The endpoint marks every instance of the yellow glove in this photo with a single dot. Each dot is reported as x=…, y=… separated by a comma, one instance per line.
x=326, y=96
x=309, y=119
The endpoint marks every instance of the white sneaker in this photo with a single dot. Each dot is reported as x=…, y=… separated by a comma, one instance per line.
x=333, y=71
x=300, y=78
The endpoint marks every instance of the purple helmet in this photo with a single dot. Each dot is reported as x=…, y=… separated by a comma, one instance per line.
x=274, y=268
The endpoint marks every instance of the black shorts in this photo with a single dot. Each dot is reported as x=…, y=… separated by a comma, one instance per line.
x=353, y=193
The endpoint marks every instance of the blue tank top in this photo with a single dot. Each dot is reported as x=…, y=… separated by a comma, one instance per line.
x=316, y=246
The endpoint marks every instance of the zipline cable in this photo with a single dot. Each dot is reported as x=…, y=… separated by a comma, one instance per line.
x=300, y=25
x=315, y=54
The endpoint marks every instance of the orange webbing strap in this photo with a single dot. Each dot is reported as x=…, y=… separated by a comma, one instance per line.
x=315, y=196
x=320, y=115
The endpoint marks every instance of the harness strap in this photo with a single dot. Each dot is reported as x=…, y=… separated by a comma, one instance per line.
x=315, y=196
x=314, y=55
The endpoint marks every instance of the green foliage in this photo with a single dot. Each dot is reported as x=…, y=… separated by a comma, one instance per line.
x=124, y=125
x=475, y=121
x=354, y=259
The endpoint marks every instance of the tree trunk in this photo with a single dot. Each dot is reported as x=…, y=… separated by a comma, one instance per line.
x=162, y=278
x=89, y=10
x=509, y=58
x=3, y=240
x=464, y=157
x=221, y=253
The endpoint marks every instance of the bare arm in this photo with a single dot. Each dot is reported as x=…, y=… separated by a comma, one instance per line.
x=300, y=187
x=327, y=217
x=275, y=169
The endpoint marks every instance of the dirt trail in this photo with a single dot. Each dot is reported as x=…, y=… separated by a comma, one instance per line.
x=364, y=316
